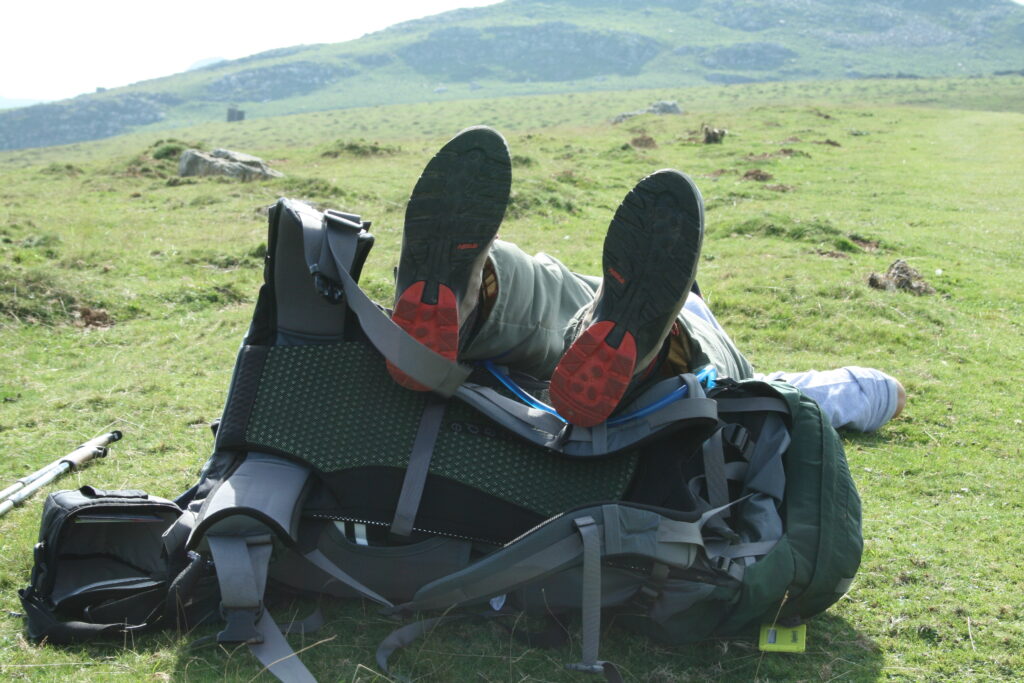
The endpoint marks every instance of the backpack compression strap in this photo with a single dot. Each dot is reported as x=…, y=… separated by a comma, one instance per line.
x=576, y=541
x=257, y=503
x=395, y=344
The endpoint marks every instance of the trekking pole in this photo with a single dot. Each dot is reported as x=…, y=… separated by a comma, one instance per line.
x=18, y=492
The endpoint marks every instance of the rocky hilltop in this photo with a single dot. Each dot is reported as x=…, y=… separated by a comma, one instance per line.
x=534, y=46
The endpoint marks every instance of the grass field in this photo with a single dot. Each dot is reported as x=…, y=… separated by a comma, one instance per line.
x=124, y=294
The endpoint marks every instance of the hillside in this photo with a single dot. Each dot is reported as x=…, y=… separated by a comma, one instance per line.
x=522, y=47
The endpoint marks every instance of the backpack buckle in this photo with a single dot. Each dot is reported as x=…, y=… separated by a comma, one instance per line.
x=241, y=625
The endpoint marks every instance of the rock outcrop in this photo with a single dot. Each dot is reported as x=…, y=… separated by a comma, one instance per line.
x=275, y=82
x=224, y=162
x=88, y=117
x=551, y=51
x=660, y=107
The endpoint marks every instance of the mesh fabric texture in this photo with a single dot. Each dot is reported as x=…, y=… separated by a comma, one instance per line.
x=335, y=407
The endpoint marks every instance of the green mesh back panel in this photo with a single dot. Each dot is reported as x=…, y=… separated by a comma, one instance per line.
x=335, y=407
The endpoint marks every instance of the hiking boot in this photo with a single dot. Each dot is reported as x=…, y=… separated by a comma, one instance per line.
x=450, y=222
x=649, y=263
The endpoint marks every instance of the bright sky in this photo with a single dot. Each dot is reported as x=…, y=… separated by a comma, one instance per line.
x=53, y=49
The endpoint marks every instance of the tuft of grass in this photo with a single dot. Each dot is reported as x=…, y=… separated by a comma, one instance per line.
x=359, y=148
x=816, y=231
x=34, y=296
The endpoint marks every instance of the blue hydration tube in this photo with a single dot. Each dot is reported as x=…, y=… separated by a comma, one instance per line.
x=706, y=376
x=518, y=391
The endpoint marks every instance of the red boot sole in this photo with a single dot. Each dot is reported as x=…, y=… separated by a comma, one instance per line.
x=436, y=326
x=592, y=377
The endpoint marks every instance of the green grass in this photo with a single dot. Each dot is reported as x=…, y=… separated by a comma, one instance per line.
x=176, y=268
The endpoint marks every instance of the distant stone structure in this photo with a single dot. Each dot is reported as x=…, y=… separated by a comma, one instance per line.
x=224, y=162
x=235, y=114
x=661, y=107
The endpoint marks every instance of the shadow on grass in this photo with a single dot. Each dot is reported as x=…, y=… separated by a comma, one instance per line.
x=473, y=650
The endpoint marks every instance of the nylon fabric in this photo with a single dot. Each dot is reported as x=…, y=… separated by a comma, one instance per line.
x=240, y=587
x=419, y=465
x=591, y=598
x=407, y=354
x=311, y=397
x=321, y=561
x=276, y=655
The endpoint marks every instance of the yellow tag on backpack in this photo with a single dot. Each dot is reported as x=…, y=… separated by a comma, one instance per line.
x=775, y=638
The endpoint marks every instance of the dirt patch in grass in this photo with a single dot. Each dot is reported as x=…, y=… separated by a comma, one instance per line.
x=779, y=188
x=757, y=175
x=784, y=153
x=86, y=316
x=643, y=142
x=867, y=245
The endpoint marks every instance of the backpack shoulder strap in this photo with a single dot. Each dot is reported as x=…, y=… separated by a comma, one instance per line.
x=256, y=504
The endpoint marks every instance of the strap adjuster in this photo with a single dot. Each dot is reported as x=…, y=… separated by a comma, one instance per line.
x=241, y=625
x=343, y=220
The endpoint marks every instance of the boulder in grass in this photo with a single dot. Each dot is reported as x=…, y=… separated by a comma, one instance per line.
x=224, y=162
x=661, y=107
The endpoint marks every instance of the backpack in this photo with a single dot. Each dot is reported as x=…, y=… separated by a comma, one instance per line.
x=703, y=509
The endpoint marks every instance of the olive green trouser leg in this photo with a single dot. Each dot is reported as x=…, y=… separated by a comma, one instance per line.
x=538, y=299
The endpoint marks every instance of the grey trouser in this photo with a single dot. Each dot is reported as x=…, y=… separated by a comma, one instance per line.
x=529, y=325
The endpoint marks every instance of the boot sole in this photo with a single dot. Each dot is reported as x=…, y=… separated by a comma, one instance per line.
x=649, y=260
x=451, y=220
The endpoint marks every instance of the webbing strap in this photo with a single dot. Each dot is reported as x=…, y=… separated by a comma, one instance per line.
x=714, y=472
x=546, y=430
x=752, y=405
x=405, y=635
x=276, y=655
x=311, y=624
x=239, y=570
x=591, y=597
x=749, y=549
x=419, y=465
x=590, y=533
x=395, y=344
x=342, y=231
x=242, y=577
x=321, y=561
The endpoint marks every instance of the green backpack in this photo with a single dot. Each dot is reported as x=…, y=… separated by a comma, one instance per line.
x=698, y=511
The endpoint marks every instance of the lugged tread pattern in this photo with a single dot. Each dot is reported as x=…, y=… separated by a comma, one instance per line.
x=649, y=263
x=593, y=376
x=452, y=217
x=436, y=326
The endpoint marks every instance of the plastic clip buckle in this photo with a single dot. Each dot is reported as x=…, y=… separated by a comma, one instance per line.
x=328, y=288
x=596, y=668
x=241, y=625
